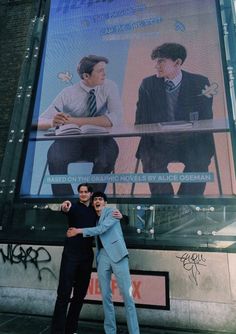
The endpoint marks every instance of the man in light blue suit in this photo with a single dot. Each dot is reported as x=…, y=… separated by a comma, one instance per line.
x=112, y=257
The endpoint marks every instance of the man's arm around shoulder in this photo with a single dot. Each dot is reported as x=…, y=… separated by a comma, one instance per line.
x=106, y=221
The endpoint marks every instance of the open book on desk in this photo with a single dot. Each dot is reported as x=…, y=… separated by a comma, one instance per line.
x=73, y=129
x=176, y=125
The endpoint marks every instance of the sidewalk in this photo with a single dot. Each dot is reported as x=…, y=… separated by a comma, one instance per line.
x=25, y=324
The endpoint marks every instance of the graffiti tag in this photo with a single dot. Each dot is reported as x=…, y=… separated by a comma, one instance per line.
x=16, y=254
x=191, y=263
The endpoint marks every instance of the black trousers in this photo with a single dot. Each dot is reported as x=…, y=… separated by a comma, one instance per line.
x=76, y=273
x=195, y=157
x=103, y=152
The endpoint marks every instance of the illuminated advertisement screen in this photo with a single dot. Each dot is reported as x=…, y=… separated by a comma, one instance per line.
x=131, y=98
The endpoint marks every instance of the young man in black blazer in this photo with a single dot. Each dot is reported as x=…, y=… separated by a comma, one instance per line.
x=174, y=95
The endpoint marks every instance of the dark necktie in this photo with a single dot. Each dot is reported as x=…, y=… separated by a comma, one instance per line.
x=169, y=85
x=92, y=106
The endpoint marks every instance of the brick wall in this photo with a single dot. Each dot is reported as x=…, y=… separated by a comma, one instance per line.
x=15, y=17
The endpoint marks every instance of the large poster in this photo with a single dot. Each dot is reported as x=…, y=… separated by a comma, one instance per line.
x=131, y=98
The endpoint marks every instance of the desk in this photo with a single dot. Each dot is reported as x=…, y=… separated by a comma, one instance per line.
x=209, y=125
x=201, y=126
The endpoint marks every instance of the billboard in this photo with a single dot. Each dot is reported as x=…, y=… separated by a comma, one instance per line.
x=131, y=98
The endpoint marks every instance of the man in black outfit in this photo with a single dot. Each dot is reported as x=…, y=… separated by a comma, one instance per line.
x=76, y=263
x=174, y=95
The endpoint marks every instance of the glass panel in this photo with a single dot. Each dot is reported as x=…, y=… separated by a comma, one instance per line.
x=144, y=225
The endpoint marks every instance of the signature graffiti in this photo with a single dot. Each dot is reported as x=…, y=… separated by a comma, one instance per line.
x=191, y=262
x=16, y=254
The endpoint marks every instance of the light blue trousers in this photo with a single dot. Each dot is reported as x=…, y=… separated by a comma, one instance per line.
x=105, y=267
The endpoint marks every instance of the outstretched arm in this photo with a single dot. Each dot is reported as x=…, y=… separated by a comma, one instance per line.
x=107, y=222
x=65, y=206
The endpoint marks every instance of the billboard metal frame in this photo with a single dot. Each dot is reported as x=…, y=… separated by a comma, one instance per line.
x=11, y=173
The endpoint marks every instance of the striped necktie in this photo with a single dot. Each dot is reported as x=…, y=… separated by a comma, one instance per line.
x=169, y=85
x=92, y=106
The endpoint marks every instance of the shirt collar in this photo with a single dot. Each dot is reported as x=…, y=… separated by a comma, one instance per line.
x=177, y=79
x=86, y=88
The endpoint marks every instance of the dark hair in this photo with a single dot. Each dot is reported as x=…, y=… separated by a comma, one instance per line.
x=90, y=188
x=99, y=194
x=170, y=50
x=87, y=64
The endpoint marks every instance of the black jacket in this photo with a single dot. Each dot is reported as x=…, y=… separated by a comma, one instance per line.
x=152, y=108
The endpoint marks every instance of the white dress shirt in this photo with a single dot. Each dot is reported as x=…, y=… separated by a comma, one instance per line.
x=72, y=100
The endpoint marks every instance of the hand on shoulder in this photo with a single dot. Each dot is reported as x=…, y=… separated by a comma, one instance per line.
x=117, y=214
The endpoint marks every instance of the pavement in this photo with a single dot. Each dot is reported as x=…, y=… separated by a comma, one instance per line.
x=28, y=324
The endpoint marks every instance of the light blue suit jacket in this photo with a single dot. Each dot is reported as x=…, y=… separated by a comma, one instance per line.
x=110, y=232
